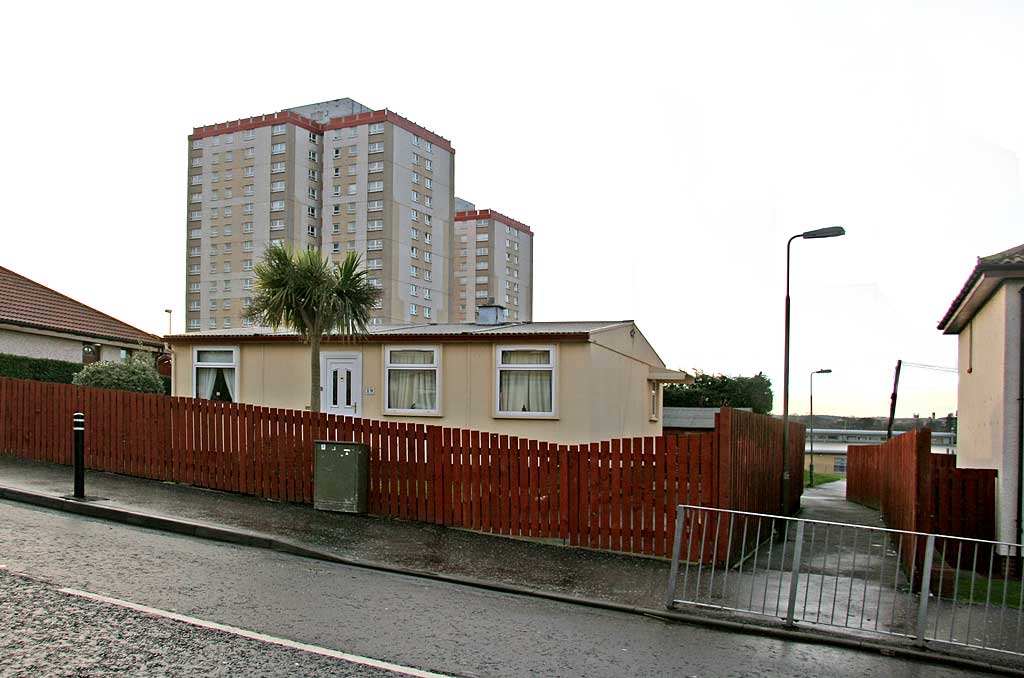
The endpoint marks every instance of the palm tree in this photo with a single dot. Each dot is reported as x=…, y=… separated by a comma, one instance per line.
x=310, y=295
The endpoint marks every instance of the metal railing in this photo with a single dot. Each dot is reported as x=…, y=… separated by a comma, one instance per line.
x=860, y=579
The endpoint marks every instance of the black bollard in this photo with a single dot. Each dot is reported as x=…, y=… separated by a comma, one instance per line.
x=78, y=437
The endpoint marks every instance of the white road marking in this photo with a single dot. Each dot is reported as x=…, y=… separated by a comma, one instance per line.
x=255, y=635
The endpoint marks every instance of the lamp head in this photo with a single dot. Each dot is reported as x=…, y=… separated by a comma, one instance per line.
x=827, y=232
x=823, y=372
x=167, y=310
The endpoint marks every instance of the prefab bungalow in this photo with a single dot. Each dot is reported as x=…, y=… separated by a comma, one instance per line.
x=565, y=382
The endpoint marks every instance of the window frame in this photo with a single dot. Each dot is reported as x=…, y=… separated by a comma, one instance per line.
x=436, y=366
x=552, y=365
x=234, y=365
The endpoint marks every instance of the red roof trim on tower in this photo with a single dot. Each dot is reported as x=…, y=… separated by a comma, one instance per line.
x=312, y=126
x=496, y=216
x=255, y=122
x=395, y=119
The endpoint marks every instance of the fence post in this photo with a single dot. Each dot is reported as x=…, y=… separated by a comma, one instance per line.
x=794, y=580
x=78, y=460
x=670, y=601
x=926, y=582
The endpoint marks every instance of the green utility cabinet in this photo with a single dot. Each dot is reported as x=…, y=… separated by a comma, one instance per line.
x=341, y=476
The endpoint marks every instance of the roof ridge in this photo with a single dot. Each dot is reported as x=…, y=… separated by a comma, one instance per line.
x=998, y=256
x=154, y=337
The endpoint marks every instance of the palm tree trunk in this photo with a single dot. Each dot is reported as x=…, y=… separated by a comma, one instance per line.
x=314, y=371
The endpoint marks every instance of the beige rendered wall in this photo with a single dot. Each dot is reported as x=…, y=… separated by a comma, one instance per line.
x=987, y=398
x=600, y=394
x=628, y=340
x=982, y=360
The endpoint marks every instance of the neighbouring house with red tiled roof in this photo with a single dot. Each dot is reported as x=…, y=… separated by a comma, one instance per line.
x=38, y=322
x=987, y=317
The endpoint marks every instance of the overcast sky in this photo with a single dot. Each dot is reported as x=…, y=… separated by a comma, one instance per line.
x=662, y=153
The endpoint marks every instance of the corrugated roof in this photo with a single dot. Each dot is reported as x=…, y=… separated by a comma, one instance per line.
x=26, y=303
x=1007, y=261
x=526, y=329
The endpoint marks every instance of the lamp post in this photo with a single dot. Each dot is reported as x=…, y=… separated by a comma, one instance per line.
x=168, y=312
x=827, y=232
x=812, y=420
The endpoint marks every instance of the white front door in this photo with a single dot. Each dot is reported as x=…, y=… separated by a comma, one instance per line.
x=341, y=383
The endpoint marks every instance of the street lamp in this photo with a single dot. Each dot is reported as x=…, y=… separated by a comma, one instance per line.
x=827, y=232
x=812, y=420
x=168, y=312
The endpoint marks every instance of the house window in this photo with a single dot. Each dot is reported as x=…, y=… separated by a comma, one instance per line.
x=655, y=399
x=412, y=377
x=376, y=147
x=215, y=373
x=377, y=128
x=525, y=380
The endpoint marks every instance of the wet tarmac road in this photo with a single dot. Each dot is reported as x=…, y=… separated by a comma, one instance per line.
x=434, y=626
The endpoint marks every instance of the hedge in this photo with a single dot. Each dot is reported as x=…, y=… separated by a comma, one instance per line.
x=137, y=374
x=40, y=369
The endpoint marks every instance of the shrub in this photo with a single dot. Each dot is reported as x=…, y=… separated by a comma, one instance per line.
x=135, y=374
x=39, y=369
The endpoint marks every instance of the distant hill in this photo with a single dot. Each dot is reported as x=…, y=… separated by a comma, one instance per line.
x=945, y=424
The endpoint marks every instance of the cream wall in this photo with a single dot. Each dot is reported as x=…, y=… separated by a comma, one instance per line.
x=41, y=344
x=987, y=398
x=600, y=393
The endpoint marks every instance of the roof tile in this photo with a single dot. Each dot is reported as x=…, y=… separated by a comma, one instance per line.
x=27, y=303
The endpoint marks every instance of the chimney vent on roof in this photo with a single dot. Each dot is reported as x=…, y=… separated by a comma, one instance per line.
x=491, y=313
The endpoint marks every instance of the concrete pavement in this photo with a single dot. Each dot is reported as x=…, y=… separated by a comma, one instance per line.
x=406, y=621
x=613, y=581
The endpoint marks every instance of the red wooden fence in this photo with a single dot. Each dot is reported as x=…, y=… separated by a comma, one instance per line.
x=618, y=495
x=919, y=491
